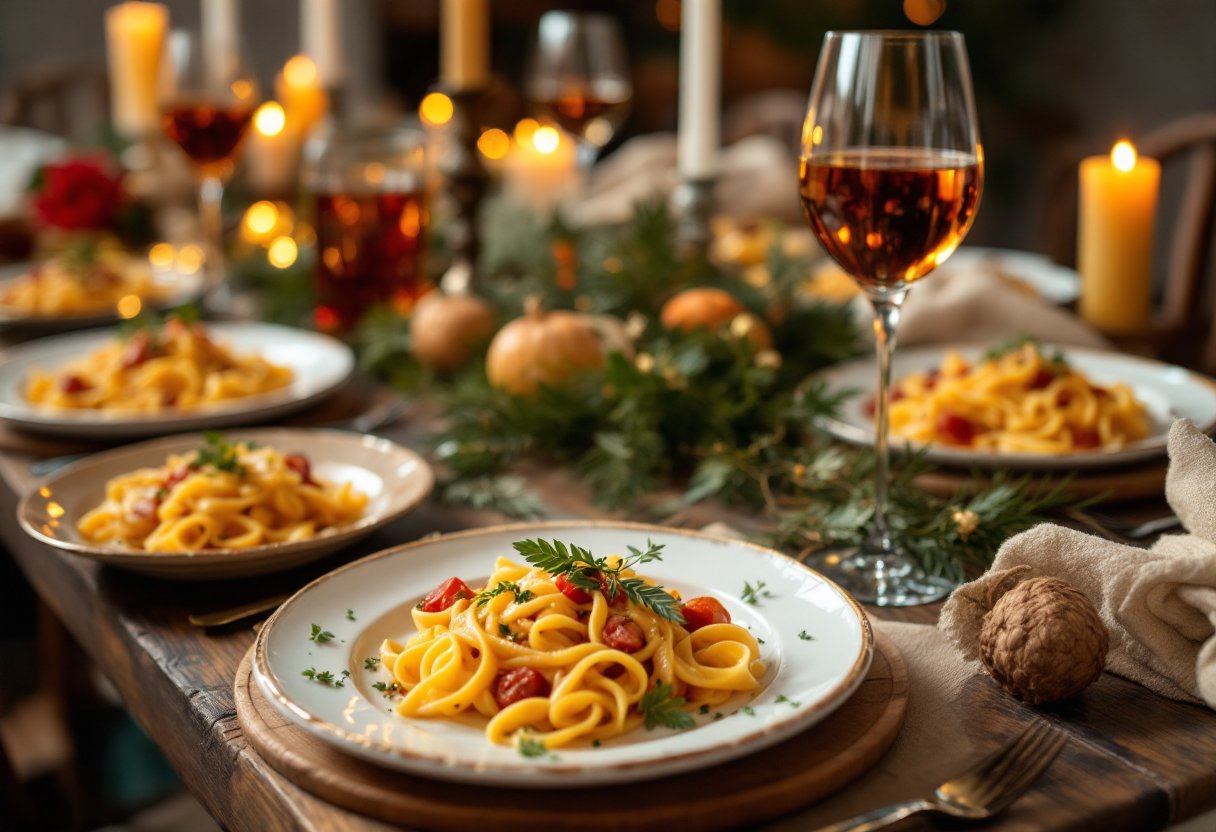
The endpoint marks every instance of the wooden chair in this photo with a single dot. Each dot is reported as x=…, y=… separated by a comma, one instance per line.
x=68, y=100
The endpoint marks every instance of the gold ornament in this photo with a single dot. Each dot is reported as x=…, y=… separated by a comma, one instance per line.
x=966, y=521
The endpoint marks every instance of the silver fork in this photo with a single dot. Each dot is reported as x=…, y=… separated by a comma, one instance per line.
x=984, y=790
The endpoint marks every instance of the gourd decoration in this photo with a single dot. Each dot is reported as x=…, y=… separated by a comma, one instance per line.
x=712, y=309
x=446, y=330
x=542, y=347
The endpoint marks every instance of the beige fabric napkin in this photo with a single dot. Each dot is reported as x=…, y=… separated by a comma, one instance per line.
x=1159, y=604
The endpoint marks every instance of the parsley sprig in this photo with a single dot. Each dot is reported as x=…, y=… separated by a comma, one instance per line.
x=320, y=636
x=218, y=453
x=325, y=677
x=521, y=595
x=529, y=747
x=753, y=594
x=661, y=708
x=584, y=571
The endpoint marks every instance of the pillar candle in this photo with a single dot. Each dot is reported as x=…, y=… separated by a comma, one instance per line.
x=220, y=39
x=1116, y=220
x=298, y=87
x=541, y=168
x=700, y=81
x=321, y=39
x=135, y=38
x=464, y=52
x=272, y=151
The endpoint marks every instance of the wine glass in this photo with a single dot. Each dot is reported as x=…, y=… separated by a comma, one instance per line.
x=890, y=178
x=208, y=94
x=579, y=78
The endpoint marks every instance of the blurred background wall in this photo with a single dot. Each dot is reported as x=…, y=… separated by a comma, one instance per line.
x=1056, y=79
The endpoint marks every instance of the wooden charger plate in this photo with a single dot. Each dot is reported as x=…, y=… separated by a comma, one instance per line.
x=1133, y=482
x=747, y=791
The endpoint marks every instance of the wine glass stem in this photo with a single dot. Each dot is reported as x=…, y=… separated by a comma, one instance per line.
x=585, y=153
x=210, y=197
x=886, y=318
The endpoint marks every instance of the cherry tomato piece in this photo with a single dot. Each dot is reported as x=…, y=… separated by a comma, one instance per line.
x=517, y=684
x=73, y=384
x=142, y=508
x=624, y=634
x=576, y=594
x=1041, y=379
x=299, y=464
x=614, y=598
x=1086, y=438
x=703, y=611
x=956, y=429
x=138, y=349
x=446, y=594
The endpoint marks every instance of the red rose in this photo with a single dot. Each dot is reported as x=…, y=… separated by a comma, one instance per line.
x=78, y=194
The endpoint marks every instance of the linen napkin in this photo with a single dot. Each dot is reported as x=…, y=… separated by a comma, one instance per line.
x=1159, y=604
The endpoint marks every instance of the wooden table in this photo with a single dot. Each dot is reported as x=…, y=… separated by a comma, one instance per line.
x=1137, y=761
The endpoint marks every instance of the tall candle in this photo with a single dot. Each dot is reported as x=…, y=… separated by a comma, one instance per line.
x=298, y=87
x=321, y=39
x=135, y=38
x=221, y=35
x=700, y=82
x=464, y=29
x=272, y=152
x=1117, y=215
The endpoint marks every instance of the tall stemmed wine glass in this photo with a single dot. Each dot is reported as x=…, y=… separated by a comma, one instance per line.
x=208, y=95
x=891, y=175
x=579, y=78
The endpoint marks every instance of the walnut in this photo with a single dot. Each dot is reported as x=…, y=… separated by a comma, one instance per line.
x=1043, y=641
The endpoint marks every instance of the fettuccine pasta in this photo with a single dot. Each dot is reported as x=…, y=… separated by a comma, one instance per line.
x=1017, y=402
x=550, y=664
x=220, y=497
x=79, y=284
x=178, y=366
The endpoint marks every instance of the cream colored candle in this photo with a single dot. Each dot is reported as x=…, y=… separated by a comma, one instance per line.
x=299, y=89
x=321, y=39
x=1117, y=216
x=541, y=168
x=464, y=53
x=700, y=81
x=272, y=151
x=135, y=38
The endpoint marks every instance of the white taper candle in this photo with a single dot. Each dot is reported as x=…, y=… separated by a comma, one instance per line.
x=700, y=85
x=321, y=39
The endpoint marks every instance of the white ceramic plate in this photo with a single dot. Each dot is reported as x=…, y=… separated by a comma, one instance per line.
x=395, y=479
x=180, y=288
x=320, y=364
x=1168, y=392
x=1054, y=283
x=818, y=675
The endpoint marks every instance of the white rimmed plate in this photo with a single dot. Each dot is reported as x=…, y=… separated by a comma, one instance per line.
x=395, y=479
x=817, y=673
x=1168, y=393
x=179, y=288
x=320, y=364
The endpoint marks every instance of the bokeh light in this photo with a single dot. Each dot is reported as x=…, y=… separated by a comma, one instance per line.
x=546, y=139
x=270, y=119
x=494, y=143
x=129, y=306
x=261, y=218
x=300, y=71
x=161, y=255
x=436, y=109
x=525, y=130
x=189, y=259
x=282, y=252
x=668, y=13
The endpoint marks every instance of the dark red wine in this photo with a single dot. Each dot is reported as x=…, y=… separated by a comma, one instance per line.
x=209, y=134
x=370, y=250
x=889, y=216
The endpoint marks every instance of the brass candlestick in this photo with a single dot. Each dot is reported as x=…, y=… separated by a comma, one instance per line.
x=467, y=180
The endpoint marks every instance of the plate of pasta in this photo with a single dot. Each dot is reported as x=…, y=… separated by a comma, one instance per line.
x=166, y=378
x=209, y=506
x=1024, y=405
x=563, y=654
x=87, y=286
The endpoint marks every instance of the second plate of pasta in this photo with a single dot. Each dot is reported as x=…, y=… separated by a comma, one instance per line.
x=563, y=654
x=206, y=506
x=1024, y=406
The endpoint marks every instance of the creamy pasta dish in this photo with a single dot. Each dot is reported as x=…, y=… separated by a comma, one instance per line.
x=81, y=282
x=1015, y=401
x=222, y=496
x=176, y=365
x=569, y=649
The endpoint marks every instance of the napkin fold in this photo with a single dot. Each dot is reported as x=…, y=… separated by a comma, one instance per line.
x=1159, y=604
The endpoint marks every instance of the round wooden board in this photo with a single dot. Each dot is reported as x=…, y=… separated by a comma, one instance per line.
x=1136, y=482
x=744, y=792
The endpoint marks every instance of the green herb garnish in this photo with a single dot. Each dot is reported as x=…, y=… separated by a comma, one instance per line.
x=350, y=615
x=747, y=709
x=805, y=636
x=371, y=661
x=661, y=708
x=219, y=454
x=521, y=595
x=704, y=709
x=753, y=594
x=783, y=698
x=320, y=636
x=529, y=747
x=584, y=571
x=718, y=715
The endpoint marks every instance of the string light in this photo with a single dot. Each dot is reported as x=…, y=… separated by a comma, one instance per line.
x=436, y=109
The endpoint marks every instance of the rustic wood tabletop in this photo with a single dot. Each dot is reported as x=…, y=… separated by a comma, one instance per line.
x=1137, y=761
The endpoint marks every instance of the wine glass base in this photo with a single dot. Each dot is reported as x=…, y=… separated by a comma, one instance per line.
x=886, y=579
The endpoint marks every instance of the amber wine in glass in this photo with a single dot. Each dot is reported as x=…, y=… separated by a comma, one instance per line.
x=890, y=179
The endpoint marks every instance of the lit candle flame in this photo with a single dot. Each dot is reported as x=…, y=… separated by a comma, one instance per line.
x=1123, y=156
x=270, y=119
x=436, y=108
x=300, y=71
x=546, y=139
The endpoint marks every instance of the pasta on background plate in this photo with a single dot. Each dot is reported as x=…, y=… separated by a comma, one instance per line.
x=1015, y=400
x=569, y=650
x=86, y=279
x=222, y=496
x=176, y=365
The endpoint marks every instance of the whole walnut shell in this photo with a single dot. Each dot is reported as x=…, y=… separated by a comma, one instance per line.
x=1043, y=641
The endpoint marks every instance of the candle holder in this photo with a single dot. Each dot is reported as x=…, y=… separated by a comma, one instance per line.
x=693, y=201
x=467, y=181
